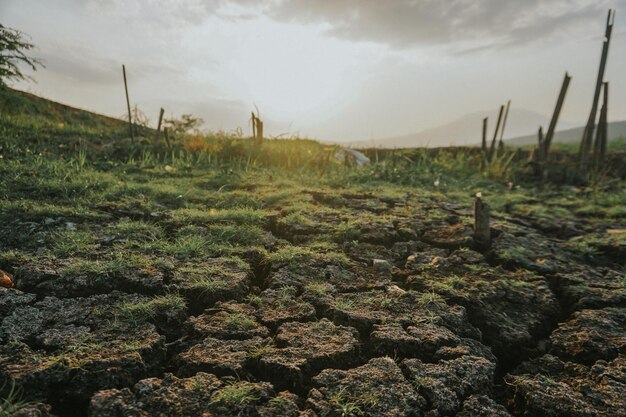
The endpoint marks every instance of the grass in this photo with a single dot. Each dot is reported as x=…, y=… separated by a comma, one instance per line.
x=261, y=350
x=353, y=404
x=240, y=321
x=12, y=401
x=237, y=395
x=73, y=187
x=137, y=313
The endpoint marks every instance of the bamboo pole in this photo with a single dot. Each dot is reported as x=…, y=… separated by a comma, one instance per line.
x=130, y=117
x=555, y=116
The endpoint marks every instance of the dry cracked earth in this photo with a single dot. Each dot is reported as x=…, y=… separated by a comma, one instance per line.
x=412, y=321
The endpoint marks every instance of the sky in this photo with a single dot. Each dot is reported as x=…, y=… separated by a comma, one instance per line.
x=339, y=70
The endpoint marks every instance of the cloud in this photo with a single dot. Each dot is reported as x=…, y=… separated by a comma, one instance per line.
x=464, y=24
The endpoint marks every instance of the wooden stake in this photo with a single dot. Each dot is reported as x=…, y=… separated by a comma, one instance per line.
x=253, y=125
x=167, y=138
x=130, y=118
x=482, y=230
x=587, y=140
x=259, y=130
x=605, y=124
x=555, y=116
x=156, y=134
x=599, y=148
x=506, y=115
x=495, y=135
x=541, y=144
x=484, y=146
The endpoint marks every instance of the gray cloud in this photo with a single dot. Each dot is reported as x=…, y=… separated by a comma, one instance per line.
x=468, y=24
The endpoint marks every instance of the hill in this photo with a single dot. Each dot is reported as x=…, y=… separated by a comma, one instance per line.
x=25, y=105
x=616, y=130
x=463, y=131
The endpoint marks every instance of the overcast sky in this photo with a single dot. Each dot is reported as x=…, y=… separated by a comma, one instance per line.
x=328, y=69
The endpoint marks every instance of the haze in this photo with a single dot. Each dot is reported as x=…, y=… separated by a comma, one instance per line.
x=341, y=70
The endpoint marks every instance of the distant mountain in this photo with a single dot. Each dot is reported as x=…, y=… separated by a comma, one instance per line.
x=465, y=131
x=616, y=130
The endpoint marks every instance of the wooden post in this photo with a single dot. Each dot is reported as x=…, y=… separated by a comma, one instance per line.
x=482, y=230
x=599, y=148
x=506, y=115
x=130, y=117
x=495, y=135
x=605, y=124
x=167, y=138
x=555, y=116
x=253, y=125
x=484, y=145
x=540, y=144
x=587, y=140
x=156, y=134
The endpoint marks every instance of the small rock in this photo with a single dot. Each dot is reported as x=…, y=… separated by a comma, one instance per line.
x=438, y=260
x=382, y=265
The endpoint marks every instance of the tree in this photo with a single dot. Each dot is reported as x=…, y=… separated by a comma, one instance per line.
x=13, y=47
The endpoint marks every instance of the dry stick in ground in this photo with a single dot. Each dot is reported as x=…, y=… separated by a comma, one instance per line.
x=130, y=117
x=167, y=138
x=599, y=148
x=555, y=117
x=495, y=135
x=482, y=231
x=484, y=145
x=501, y=143
x=587, y=139
x=540, y=144
x=156, y=134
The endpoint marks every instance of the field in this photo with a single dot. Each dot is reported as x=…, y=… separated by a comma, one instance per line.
x=226, y=278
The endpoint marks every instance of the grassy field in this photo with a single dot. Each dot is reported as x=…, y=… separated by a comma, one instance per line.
x=204, y=266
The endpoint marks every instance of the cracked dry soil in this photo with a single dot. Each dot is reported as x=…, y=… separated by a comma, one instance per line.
x=445, y=331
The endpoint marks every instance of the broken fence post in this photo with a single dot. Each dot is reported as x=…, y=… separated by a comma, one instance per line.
x=495, y=134
x=482, y=230
x=501, y=143
x=555, y=116
x=599, y=147
x=587, y=139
